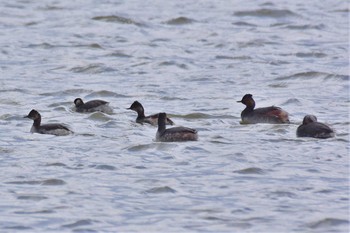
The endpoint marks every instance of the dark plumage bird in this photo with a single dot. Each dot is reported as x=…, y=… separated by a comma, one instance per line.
x=311, y=128
x=252, y=115
x=92, y=106
x=141, y=118
x=54, y=129
x=174, y=134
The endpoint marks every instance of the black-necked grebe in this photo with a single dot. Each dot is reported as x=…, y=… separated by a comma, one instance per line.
x=92, y=106
x=272, y=115
x=312, y=128
x=175, y=134
x=141, y=118
x=54, y=129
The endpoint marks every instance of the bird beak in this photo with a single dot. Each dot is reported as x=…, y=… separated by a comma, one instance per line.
x=239, y=101
x=26, y=117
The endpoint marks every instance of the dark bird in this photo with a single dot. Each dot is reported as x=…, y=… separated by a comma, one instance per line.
x=54, y=129
x=141, y=118
x=252, y=115
x=175, y=134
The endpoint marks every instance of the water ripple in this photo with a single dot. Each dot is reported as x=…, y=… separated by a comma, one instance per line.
x=279, y=194
x=21, y=228
x=306, y=27
x=328, y=222
x=95, y=68
x=312, y=54
x=117, y=19
x=179, y=21
x=37, y=182
x=251, y=170
x=105, y=93
x=79, y=223
x=241, y=23
x=163, y=189
x=105, y=167
x=31, y=197
x=99, y=116
x=273, y=13
x=315, y=74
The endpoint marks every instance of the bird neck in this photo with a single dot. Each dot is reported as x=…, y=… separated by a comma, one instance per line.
x=37, y=122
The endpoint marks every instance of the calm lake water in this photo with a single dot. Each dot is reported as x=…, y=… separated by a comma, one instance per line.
x=193, y=60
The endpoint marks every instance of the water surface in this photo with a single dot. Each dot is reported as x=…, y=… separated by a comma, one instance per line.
x=193, y=60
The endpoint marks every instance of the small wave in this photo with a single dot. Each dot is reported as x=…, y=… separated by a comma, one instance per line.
x=105, y=167
x=224, y=57
x=213, y=218
x=155, y=145
x=245, y=24
x=56, y=165
x=9, y=117
x=30, y=182
x=306, y=27
x=251, y=170
x=95, y=68
x=119, y=54
x=99, y=116
x=31, y=197
x=35, y=212
x=53, y=182
x=164, y=189
x=255, y=43
x=179, y=21
x=5, y=150
x=60, y=108
x=117, y=19
x=93, y=46
x=51, y=8
x=315, y=74
x=37, y=182
x=21, y=228
x=273, y=13
x=313, y=54
x=41, y=46
x=140, y=147
x=345, y=10
x=15, y=90
x=78, y=223
x=65, y=93
x=105, y=93
x=60, y=105
x=328, y=222
x=173, y=63
x=292, y=101
x=325, y=191
x=195, y=116
x=278, y=194
x=31, y=23
x=279, y=85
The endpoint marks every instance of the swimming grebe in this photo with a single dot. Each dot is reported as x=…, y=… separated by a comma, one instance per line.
x=312, y=128
x=54, y=129
x=92, y=106
x=174, y=134
x=141, y=118
x=272, y=115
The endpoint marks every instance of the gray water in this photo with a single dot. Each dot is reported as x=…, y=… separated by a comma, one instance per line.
x=193, y=60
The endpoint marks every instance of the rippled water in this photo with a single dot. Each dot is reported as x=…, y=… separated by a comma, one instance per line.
x=193, y=60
